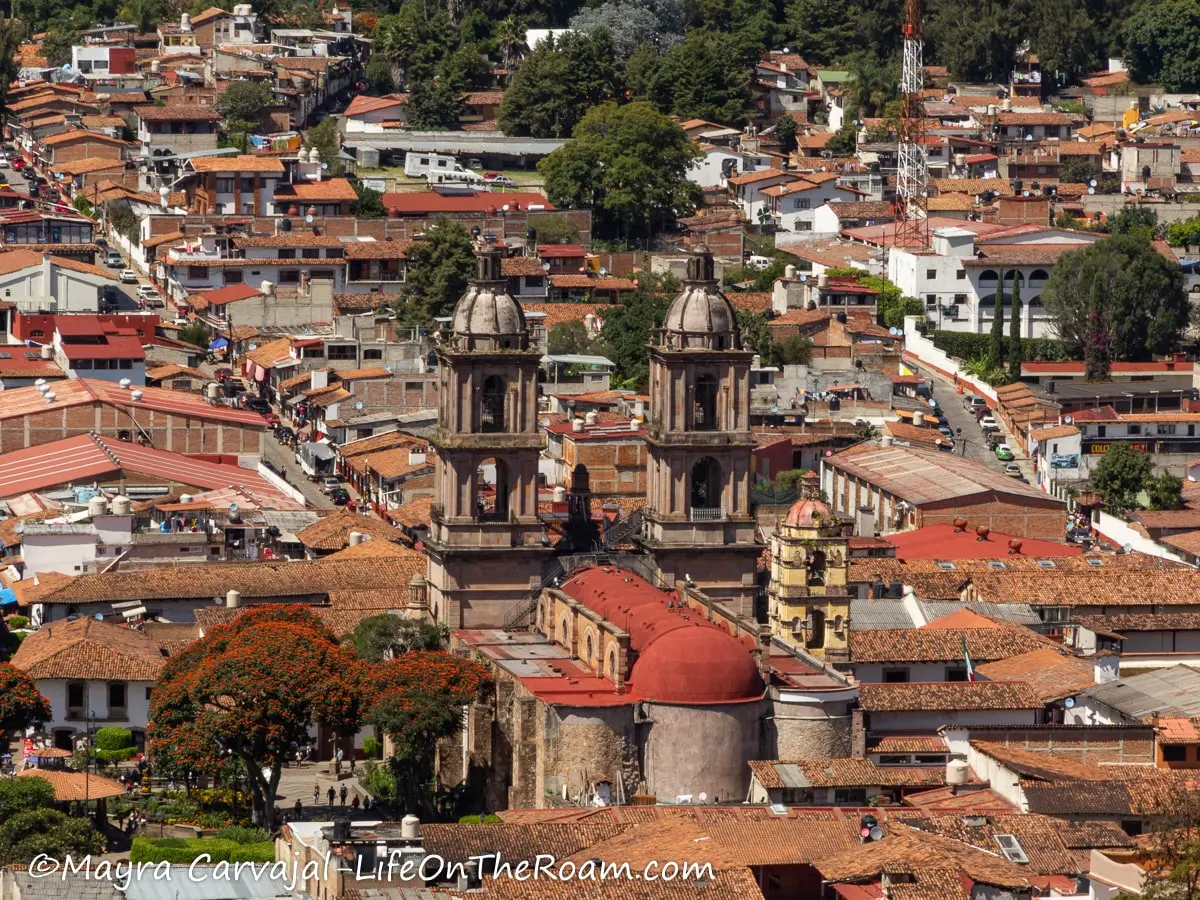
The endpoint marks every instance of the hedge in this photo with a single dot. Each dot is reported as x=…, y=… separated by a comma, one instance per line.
x=185, y=851
x=967, y=346
x=113, y=738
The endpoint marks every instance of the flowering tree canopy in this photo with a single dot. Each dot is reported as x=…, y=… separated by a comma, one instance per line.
x=20, y=703
x=250, y=691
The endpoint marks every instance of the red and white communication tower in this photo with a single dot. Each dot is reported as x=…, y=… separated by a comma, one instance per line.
x=912, y=174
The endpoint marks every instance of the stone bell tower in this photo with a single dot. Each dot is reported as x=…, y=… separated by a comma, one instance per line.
x=486, y=546
x=698, y=517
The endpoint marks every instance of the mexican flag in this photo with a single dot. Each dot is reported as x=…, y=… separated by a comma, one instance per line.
x=967, y=658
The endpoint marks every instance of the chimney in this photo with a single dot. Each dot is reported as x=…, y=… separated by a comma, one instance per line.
x=320, y=379
x=47, y=276
x=1106, y=665
x=417, y=592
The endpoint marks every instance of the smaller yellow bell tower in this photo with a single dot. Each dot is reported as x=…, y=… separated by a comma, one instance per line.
x=808, y=600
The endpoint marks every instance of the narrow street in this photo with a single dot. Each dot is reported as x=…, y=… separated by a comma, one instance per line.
x=968, y=437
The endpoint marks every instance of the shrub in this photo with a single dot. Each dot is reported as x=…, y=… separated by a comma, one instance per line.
x=116, y=756
x=183, y=851
x=966, y=346
x=371, y=746
x=240, y=834
x=487, y=819
x=113, y=738
x=15, y=622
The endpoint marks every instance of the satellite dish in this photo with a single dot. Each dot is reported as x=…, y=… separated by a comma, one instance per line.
x=1069, y=703
x=358, y=405
x=893, y=331
x=1092, y=182
x=804, y=278
x=308, y=219
x=1024, y=193
x=876, y=833
x=1067, y=420
x=324, y=165
x=1091, y=190
x=703, y=796
x=233, y=507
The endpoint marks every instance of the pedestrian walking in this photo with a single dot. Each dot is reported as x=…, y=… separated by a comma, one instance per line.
x=316, y=794
x=354, y=802
x=332, y=795
x=299, y=807
x=344, y=794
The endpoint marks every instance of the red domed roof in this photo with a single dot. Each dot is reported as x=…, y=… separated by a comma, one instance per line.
x=680, y=657
x=699, y=664
x=805, y=511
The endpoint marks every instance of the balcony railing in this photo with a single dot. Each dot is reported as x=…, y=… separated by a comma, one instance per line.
x=709, y=514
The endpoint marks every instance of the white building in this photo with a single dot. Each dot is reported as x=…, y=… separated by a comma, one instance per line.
x=717, y=164
x=959, y=278
x=793, y=204
x=121, y=666
x=41, y=282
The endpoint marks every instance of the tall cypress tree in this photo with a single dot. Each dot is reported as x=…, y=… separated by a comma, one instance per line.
x=1015, y=352
x=996, y=350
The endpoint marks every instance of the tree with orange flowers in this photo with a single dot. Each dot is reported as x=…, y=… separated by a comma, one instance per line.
x=250, y=691
x=21, y=706
x=416, y=699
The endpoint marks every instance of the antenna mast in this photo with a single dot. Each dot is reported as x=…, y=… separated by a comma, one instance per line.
x=912, y=175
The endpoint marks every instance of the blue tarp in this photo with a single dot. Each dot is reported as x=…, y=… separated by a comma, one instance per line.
x=218, y=344
x=7, y=597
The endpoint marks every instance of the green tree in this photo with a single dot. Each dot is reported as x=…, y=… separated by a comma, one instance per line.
x=1164, y=491
x=245, y=101
x=1185, y=233
x=844, y=143
x=46, y=831
x=641, y=72
x=1160, y=44
x=756, y=336
x=569, y=338
x=18, y=795
x=557, y=83
x=378, y=76
x=413, y=41
x=628, y=164
x=57, y=44
x=467, y=68
x=628, y=327
x=1117, y=299
x=1133, y=218
x=439, y=266
x=196, y=333
x=704, y=78
x=977, y=42
x=823, y=31
x=873, y=85
x=795, y=350
x=324, y=137
x=510, y=41
x=995, y=355
x=1120, y=476
x=1016, y=351
x=378, y=638
x=632, y=23
x=11, y=35
x=785, y=133
x=433, y=106
x=1065, y=38
x=556, y=229
x=1077, y=170
x=145, y=14
x=369, y=204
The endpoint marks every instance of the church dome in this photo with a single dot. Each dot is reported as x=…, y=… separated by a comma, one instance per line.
x=700, y=317
x=486, y=317
x=808, y=513
x=700, y=664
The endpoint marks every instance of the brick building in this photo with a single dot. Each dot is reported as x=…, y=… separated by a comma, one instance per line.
x=911, y=488
x=612, y=447
x=167, y=420
x=72, y=146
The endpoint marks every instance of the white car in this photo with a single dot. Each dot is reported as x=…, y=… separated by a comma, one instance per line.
x=146, y=291
x=987, y=423
x=128, y=276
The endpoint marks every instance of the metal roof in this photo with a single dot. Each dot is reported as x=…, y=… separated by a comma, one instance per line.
x=1018, y=613
x=579, y=359
x=208, y=883
x=1171, y=692
x=879, y=615
x=456, y=142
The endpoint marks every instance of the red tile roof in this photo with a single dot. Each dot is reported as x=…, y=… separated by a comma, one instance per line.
x=935, y=697
x=430, y=202
x=88, y=649
x=947, y=542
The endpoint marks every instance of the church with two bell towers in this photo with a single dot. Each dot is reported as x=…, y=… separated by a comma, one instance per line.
x=488, y=552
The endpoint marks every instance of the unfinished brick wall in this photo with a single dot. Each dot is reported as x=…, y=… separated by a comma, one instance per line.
x=614, y=467
x=1034, y=519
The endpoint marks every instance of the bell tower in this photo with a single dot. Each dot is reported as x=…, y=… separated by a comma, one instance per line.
x=486, y=546
x=698, y=518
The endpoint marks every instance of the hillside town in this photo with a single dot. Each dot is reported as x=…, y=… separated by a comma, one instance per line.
x=634, y=450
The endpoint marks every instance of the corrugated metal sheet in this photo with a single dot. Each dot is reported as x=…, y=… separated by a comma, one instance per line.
x=879, y=615
x=792, y=776
x=1172, y=692
x=1019, y=613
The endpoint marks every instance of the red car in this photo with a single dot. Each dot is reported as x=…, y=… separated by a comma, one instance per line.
x=271, y=419
x=223, y=375
x=19, y=164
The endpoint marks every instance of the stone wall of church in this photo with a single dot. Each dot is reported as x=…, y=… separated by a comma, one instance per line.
x=808, y=731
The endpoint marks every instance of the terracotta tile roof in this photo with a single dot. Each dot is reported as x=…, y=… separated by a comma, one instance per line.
x=270, y=353
x=10, y=528
x=517, y=266
x=894, y=743
x=65, y=262
x=934, y=697
x=264, y=579
x=1093, y=588
x=414, y=514
x=1043, y=766
x=600, y=283
x=377, y=249
x=378, y=442
x=932, y=884
x=761, y=175
x=951, y=203
x=1080, y=148
x=294, y=239
x=364, y=302
x=1178, y=730
x=1033, y=118
x=1154, y=793
x=172, y=370
x=847, y=773
x=333, y=531
x=750, y=301
x=557, y=313
x=371, y=550
x=86, y=648
x=903, y=431
x=1039, y=837
x=1121, y=623
x=180, y=113
x=944, y=645
x=1054, y=431
x=29, y=56
x=330, y=189
x=364, y=104
x=1050, y=673
x=213, y=12
x=861, y=209
x=972, y=186
x=89, y=165
x=75, y=786
x=240, y=163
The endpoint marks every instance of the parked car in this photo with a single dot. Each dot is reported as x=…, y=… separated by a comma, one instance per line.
x=128, y=276
x=1012, y=470
x=258, y=405
x=46, y=192
x=988, y=423
x=973, y=403
x=474, y=164
x=19, y=163
x=501, y=181
x=223, y=375
x=101, y=243
x=339, y=496
x=5, y=162
x=330, y=483
x=271, y=419
x=284, y=434
x=113, y=259
x=1004, y=453
x=145, y=291
x=946, y=432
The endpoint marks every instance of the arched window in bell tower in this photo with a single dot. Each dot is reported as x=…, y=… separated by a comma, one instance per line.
x=705, y=415
x=816, y=631
x=816, y=567
x=491, y=499
x=491, y=405
x=706, y=484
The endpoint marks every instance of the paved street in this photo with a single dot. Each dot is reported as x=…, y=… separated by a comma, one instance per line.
x=968, y=438
x=284, y=460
